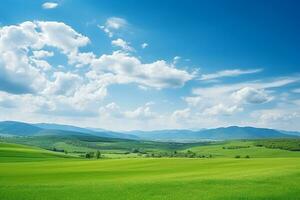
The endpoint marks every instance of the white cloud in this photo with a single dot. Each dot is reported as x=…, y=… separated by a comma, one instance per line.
x=140, y=113
x=223, y=100
x=68, y=40
x=42, y=54
x=49, y=5
x=221, y=109
x=23, y=69
x=228, y=73
x=183, y=114
x=23, y=73
x=123, y=44
x=251, y=95
x=225, y=89
x=80, y=59
x=110, y=110
x=44, y=90
x=34, y=87
x=127, y=69
x=286, y=117
x=113, y=24
x=275, y=115
x=193, y=101
x=144, y=45
x=176, y=59
x=64, y=84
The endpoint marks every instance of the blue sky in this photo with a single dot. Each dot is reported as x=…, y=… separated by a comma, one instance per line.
x=151, y=64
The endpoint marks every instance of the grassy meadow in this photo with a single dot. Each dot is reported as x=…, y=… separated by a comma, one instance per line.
x=32, y=173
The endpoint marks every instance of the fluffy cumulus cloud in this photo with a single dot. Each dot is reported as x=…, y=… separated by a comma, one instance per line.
x=21, y=53
x=251, y=95
x=49, y=5
x=226, y=103
x=64, y=84
x=61, y=36
x=127, y=69
x=29, y=81
x=44, y=72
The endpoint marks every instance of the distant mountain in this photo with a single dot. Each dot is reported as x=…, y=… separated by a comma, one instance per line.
x=296, y=133
x=235, y=132
x=223, y=133
x=62, y=127
x=167, y=135
x=13, y=128
x=91, y=131
x=18, y=128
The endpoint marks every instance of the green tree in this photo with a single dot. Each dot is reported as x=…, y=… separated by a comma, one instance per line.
x=135, y=150
x=89, y=155
x=98, y=154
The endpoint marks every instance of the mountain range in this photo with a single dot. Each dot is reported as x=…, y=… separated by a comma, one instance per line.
x=14, y=128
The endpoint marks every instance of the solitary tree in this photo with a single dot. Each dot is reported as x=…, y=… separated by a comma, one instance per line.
x=98, y=154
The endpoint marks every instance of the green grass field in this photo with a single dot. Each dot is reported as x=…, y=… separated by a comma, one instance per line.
x=243, y=148
x=28, y=173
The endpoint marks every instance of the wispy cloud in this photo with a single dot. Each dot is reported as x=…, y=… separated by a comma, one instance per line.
x=123, y=44
x=228, y=73
x=144, y=45
x=49, y=5
x=113, y=24
x=222, y=89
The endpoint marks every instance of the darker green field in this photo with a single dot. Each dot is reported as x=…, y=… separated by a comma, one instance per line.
x=109, y=147
x=30, y=173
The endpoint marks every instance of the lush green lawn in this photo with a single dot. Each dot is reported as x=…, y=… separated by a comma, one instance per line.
x=46, y=175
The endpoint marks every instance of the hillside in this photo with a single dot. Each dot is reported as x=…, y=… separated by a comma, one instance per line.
x=18, y=153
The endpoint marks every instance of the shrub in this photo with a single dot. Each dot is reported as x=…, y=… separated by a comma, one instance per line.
x=135, y=150
x=89, y=155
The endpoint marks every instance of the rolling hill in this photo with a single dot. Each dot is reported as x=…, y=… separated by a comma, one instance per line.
x=22, y=153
